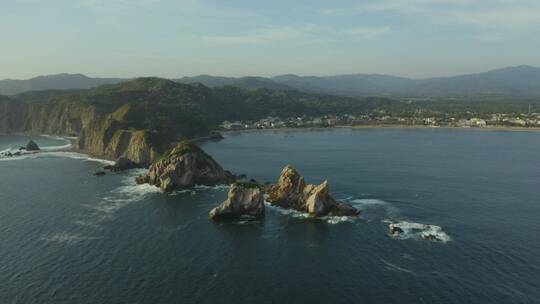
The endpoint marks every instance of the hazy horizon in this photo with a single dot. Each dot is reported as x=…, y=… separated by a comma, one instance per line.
x=171, y=39
x=269, y=76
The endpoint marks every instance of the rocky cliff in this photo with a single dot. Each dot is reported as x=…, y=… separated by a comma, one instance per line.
x=185, y=166
x=291, y=192
x=97, y=133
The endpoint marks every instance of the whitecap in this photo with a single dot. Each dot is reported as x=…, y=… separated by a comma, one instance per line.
x=373, y=204
x=396, y=268
x=409, y=230
x=66, y=238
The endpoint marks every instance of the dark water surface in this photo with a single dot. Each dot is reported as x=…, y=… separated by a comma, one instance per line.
x=69, y=237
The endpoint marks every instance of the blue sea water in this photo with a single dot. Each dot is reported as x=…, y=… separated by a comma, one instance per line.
x=69, y=237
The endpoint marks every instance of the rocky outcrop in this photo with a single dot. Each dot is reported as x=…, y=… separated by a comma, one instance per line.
x=185, y=166
x=291, y=192
x=32, y=146
x=243, y=200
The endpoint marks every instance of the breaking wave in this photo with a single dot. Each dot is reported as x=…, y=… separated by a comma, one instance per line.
x=302, y=215
x=216, y=187
x=373, y=206
x=122, y=196
x=68, y=143
x=105, y=209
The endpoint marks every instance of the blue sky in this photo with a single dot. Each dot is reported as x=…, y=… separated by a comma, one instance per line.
x=125, y=38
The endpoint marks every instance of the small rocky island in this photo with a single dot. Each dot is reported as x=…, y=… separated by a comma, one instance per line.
x=291, y=192
x=32, y=146
x=245, y=199
x=185, y=166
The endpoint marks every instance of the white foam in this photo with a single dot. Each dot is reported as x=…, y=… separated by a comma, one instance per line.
x=302, y=215
x=68, y=143
x=57, y=148
x=23, y=154
x=418, y=231
x=368, y=202
x=216, y=187
x=72, y=155
x=396, y=268
x=66, y=238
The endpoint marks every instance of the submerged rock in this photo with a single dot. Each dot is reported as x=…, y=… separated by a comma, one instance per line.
x=32, y=146
x=407, y=230
x=99, y=173
x=244, y=199
x=291, y=192
x=185, y=166
x=122, y=164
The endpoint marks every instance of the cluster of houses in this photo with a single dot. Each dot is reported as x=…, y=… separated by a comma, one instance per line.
x=273, y=122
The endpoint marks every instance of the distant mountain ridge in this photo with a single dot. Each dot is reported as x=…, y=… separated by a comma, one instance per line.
x=54, y=82
x=522, y=81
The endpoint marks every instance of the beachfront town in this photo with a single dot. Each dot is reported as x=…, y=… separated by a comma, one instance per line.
x=494, y=120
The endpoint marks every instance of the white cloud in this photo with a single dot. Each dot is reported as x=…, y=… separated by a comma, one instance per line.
x=493, y=14
x=368, y=32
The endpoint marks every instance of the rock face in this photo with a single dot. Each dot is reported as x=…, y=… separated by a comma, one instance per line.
x=32, y=146
x=291, y=192
x=185, y=166
x=244, y=199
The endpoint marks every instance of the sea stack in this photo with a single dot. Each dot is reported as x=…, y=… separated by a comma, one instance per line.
x=291, y=192
x=185, y=166
x=32, y=146
x=245, y=199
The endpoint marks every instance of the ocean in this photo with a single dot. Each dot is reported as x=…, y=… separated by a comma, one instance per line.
x=67, y=236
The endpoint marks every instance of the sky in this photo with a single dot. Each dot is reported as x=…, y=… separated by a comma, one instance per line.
x=166, y=38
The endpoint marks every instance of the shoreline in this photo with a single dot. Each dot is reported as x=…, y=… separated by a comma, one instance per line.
x=289, y=129
x=68, y=150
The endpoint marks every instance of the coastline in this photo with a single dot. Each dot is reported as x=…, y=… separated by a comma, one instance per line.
x=289, y=129
x=68, y=150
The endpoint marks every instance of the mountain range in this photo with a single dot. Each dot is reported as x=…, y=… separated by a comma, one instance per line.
x=519, y=81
